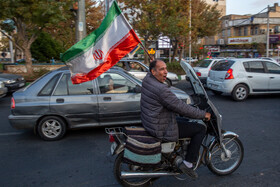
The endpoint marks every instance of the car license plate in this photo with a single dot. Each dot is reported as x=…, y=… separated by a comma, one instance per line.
x=21, y=84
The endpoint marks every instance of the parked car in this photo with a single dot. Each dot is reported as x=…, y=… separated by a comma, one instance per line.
x=12, y=82
x=243, y=77
x=139, y=70
x=268, y=58
x=3, y=89
x=190, y=59
x=52, y=104
x=202, y=70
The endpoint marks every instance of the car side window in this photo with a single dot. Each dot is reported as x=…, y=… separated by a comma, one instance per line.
x=134, y=66
x=113, y=83
x=66, y=87
x=272, y=68
x=61, y=88
x=254, y=66
x=85, y=88
x=48, y=88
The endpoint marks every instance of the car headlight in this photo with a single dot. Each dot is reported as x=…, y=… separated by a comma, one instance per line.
x=10, y=81
x=21, y=78
x=1, y=84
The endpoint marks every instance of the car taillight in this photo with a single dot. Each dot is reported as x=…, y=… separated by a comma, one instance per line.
x=111, y=138
x=198, y=74
x=13, y=103
x=229, y=74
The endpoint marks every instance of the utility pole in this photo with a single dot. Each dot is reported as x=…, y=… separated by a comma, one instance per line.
x=81, y=21
x=267, y=33
x=107, y=6
x=190, y=33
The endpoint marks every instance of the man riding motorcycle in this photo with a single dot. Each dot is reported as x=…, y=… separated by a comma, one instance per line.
x=159, y=107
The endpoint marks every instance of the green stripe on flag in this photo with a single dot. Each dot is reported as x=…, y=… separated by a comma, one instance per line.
x=85, y=44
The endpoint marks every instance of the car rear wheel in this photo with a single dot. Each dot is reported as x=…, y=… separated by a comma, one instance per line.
x=51, y=128
x=240, y=92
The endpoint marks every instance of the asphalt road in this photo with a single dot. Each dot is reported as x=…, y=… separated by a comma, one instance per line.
x=82, y=157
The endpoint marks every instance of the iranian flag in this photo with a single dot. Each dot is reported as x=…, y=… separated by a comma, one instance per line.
x=101, y=49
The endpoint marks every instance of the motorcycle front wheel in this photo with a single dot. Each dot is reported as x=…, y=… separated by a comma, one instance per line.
x=121, y=166
x=222, y=162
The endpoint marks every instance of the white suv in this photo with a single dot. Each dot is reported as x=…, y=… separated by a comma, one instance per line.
x=243, y=77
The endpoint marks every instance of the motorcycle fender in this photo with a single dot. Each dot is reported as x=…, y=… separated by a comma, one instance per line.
x=116, y=148
x=213, y=141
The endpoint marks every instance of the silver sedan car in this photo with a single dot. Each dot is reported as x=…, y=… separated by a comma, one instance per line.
x=52, y=104
x=139, y=70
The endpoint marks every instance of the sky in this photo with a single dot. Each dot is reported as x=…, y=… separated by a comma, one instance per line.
x=248, y=6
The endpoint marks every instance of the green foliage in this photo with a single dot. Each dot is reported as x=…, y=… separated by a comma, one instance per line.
x=30, y=18
x=175, y=67
x=45, y=47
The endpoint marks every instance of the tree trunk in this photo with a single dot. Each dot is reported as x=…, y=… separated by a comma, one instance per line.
x=175, y=50
x=28, y=61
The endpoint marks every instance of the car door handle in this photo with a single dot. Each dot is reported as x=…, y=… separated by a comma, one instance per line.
x=272, y=77
x=60, y=100
x=107, y=98
x=250, y=76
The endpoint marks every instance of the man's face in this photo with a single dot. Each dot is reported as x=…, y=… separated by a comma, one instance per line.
x=160, y=71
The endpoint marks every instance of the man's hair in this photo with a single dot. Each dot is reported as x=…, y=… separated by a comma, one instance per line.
x=153, y=65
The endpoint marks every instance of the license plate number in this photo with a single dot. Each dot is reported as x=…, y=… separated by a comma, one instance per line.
x=21, y=84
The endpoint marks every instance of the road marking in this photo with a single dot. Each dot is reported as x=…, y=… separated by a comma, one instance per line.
x=10, y=133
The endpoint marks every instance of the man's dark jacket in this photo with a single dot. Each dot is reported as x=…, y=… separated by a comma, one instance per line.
x=159, y=107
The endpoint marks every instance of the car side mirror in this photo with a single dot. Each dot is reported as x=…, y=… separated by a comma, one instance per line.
x=187, y=78
x=137, y=89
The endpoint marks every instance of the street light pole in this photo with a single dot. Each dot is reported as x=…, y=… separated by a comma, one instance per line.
x=190, y=33
x=81, y=21
x=267, y=33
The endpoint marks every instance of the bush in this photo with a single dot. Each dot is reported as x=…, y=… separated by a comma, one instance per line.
x=175, y=67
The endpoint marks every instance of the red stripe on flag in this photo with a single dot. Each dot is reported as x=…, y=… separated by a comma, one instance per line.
x=116, y=53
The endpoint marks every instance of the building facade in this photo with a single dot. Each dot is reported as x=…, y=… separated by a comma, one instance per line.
x=246, y=35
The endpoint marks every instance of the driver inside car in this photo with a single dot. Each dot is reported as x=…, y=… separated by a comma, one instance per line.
x=159, y=107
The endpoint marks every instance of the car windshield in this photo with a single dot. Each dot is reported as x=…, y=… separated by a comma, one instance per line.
x=223, y=65
x=193, y=79
x=205, y=63
x=134, y=77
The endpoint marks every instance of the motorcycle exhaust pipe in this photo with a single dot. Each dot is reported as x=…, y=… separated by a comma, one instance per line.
x=127, y=175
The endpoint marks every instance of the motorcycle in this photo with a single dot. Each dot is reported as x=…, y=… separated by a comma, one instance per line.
x=221, y=151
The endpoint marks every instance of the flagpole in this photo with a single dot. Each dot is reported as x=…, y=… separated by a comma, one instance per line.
x=151, y=58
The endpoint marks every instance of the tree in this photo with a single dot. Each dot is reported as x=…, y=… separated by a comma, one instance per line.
x=65, y=30
x=171, y=18
x=30, y=18
x=144, y=16
x=46, y=48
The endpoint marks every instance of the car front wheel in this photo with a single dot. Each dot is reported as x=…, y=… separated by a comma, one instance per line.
x=51, y=128
x=240, y=92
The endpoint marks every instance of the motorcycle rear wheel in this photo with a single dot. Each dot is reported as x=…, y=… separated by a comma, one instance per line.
x=219, y=163
x=120, y=166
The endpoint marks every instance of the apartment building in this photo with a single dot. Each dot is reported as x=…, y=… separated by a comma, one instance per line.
x=246, y=35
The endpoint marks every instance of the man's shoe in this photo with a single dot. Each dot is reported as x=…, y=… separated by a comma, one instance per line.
x=189, y=171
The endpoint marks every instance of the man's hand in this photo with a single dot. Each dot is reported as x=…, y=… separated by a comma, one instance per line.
x=207, y=116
